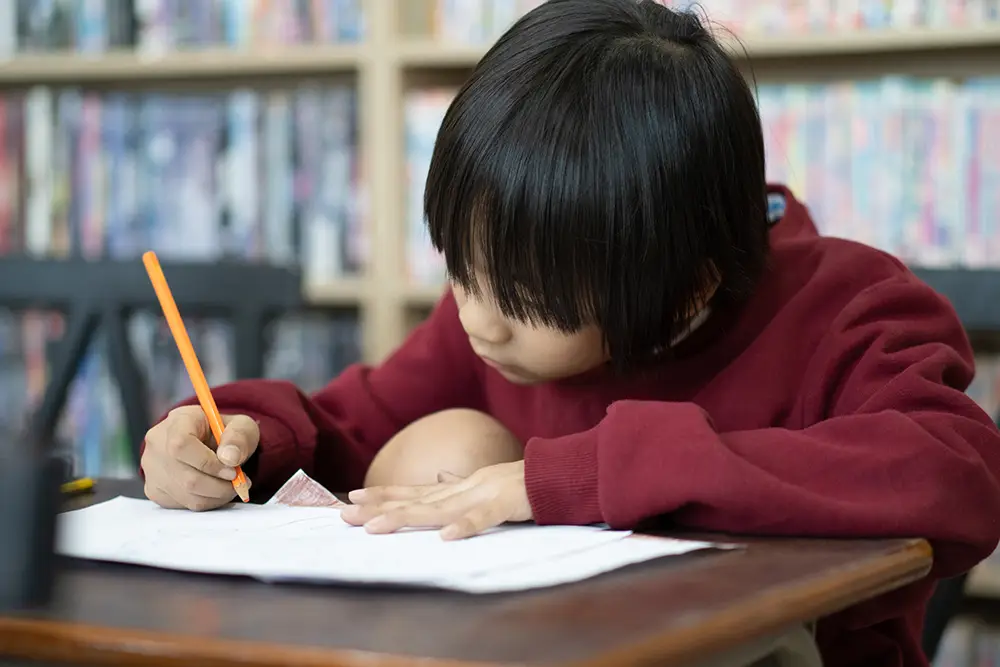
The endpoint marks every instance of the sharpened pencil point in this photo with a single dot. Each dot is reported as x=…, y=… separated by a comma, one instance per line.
x=243, y=492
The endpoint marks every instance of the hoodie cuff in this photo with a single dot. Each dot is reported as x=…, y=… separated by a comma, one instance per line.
x=561, y=478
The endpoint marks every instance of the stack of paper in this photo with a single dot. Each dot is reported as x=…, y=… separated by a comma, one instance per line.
x=279, y=542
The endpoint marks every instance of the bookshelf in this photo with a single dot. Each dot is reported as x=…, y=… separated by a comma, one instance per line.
x=389, y=61
x=124, y=67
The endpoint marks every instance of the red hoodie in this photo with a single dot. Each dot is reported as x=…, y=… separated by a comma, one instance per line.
x=831, y=404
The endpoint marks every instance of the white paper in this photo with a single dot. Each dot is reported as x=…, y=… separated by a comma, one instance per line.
x=282, y=543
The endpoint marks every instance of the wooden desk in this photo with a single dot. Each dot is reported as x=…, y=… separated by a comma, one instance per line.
x=677, y=611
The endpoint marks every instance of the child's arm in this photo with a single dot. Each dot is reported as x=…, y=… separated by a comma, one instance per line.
x=334, y=434
x=895, y=447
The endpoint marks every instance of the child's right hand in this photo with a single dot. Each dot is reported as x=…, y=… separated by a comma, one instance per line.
x=181, y=466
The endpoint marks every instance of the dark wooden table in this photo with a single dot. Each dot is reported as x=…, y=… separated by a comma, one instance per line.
x=675, y=611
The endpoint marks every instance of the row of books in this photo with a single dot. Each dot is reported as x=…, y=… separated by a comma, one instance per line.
x=158, y=26
x=482, y=21
x=462, y=21
x=904, y=165
x=269, y=176
x=309, y=350
x=773, y=17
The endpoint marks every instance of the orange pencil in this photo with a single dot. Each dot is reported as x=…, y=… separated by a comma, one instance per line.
x=191, y=363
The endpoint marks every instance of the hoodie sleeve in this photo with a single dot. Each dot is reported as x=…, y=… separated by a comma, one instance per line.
x=891, y=446
x=335, y=433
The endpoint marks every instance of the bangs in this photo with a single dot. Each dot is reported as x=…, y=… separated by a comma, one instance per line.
x=516, y=227
x=602, y=165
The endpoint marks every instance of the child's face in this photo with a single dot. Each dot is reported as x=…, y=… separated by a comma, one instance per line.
x=523, y=353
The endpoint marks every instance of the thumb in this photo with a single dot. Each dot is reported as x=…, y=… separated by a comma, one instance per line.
x=239, y=439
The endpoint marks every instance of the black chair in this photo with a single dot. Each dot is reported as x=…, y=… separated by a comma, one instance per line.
x=30, y=498
x=102, y=294
x=942, y=607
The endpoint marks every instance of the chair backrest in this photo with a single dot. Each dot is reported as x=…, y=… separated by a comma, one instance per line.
x=942, y=607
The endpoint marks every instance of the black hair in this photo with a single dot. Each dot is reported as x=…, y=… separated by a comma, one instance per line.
x=603, y=164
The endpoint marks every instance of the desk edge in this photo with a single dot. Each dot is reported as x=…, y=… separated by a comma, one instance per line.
x=768, y=613
x=776, y=611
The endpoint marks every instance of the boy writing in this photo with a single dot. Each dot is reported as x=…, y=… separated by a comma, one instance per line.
x=664, y=334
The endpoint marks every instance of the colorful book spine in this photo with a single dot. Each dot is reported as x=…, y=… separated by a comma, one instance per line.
x=478, y=21
x=900, y=164
x=424, y=112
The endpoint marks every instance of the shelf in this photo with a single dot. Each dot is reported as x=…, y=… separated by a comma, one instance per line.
x=431, y=54
x=347, y=292
x=975, y=294
x=222, y=63
x=427, y=54
x=422, y=296
x=984, y=581
x=871, y=42
x=129, y=67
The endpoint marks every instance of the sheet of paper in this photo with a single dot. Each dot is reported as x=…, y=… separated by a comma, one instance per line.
x=293, y=543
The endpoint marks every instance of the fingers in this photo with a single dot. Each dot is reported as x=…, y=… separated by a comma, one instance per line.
x=416, y=515
x=459, y=516
x=370, y=503
x=180, y=445
x=169, y=500
x=182, y=470
x=161, y=497
x=359, y=515
x=188, y=419
x=474, y=522
x=377, y=495
x=239, y=440
x=188, y=482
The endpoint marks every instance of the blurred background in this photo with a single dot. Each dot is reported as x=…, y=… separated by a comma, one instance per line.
x=297, y=134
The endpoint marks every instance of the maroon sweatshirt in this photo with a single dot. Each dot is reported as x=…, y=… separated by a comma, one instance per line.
x=831, y=404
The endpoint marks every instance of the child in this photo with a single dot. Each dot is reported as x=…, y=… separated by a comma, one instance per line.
x=666, y=335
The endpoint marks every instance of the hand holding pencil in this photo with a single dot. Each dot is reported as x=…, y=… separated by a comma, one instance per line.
x=192, y=458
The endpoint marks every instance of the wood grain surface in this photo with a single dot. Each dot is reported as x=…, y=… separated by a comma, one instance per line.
x=665, y=612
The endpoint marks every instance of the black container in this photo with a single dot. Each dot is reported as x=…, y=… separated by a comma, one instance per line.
x=30, y=500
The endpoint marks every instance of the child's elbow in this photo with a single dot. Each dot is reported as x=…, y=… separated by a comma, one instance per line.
x=971, y=521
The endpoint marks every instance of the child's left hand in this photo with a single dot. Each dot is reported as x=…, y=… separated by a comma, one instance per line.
x=462, y=507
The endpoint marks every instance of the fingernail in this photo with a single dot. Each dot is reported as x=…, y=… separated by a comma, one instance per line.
x=377, y=524
x=356, y=496
x=230, y=455
x=228, y=474
x=449, y=533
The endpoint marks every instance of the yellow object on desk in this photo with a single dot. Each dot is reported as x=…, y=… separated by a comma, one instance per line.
x=82, y=485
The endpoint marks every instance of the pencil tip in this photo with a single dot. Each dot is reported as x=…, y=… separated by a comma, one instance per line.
x=243, y=492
